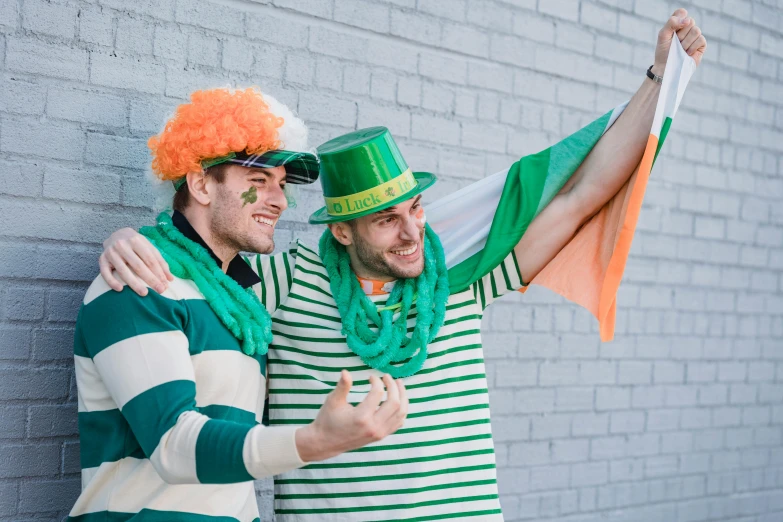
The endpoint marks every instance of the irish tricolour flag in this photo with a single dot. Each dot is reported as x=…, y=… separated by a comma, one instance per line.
x=480, y=225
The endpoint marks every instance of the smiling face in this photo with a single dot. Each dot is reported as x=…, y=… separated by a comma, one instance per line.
x=246, y=207
x=386, y=245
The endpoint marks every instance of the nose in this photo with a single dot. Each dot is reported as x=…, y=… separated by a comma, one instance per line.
x=275, y=198
x=411, y=229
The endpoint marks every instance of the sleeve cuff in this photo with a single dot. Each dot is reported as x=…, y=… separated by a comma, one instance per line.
x=271, y=451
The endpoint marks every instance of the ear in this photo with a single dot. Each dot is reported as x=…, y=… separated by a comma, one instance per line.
x=341, y=232
x=199, y=187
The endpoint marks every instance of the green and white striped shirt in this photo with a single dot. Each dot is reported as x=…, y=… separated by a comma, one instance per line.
x=169, y=411
x=441, y=464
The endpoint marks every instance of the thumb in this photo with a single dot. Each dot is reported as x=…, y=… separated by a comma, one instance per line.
x=340, y=393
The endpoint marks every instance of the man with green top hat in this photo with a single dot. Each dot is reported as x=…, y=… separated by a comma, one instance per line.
x=390, y=290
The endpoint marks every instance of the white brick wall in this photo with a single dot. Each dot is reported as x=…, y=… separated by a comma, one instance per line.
x=679, y=419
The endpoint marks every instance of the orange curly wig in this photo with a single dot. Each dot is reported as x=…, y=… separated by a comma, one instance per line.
x=215, y=123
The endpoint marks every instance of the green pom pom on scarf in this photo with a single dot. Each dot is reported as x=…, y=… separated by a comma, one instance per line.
x=389, y=350
x=237, y=308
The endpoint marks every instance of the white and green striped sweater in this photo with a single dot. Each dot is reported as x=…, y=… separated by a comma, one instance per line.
x=441, y=464
x=169, y=411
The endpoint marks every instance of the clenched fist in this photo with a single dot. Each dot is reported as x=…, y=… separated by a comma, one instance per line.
x=689, y=35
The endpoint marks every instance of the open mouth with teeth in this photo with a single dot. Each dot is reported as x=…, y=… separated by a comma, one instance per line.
x=265, y=221
x=409, y=253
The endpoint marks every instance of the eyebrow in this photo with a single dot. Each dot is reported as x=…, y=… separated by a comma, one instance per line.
x=261, y=170
x=394, y=207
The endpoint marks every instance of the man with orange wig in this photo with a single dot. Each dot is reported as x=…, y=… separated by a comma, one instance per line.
x=172, y=383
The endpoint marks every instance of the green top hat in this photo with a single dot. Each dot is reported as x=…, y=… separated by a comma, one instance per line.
x=363, y=172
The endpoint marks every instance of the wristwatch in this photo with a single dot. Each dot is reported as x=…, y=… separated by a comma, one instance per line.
x=654, y=77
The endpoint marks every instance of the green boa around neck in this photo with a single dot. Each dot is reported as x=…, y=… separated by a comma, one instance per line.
x=237, y=308
x=389, y=350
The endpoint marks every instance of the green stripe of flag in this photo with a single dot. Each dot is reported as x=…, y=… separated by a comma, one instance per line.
x=531, y=183
x=667, y=123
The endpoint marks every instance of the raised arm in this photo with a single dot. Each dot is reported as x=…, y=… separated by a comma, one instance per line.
x=610, y=163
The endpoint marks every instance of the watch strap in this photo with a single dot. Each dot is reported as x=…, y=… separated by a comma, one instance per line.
x=654, y=77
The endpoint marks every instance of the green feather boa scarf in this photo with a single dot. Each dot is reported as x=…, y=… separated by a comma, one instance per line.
x=389, y=350
x=238, y=308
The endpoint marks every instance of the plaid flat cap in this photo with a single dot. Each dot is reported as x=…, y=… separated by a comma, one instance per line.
x=301, y=167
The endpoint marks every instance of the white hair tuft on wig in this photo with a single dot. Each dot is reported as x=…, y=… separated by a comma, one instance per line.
x=293, y=133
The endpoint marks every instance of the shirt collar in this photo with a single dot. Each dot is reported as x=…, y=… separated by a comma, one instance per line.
x=238, y=269
x=373, y=287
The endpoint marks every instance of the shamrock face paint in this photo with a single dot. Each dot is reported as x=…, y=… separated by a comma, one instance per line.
x=250, y=196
